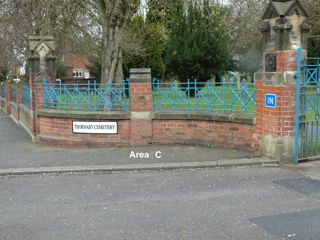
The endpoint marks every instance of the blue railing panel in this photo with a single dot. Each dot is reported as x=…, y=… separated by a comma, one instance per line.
x=307, y=118
x=90, y=96
x=25, y=91
x=197, y=96
x=14, y=95
x=311, y=71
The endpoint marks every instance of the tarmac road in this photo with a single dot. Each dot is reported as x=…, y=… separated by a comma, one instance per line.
x=237, y=203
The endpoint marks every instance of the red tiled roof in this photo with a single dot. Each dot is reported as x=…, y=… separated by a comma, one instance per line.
x=75, y=60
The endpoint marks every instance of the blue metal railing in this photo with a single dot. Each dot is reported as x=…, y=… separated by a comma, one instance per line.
x=198, y=96
x=25, y=91
x=311, y=71
x=89, y=97
x=307, y=117
x=14, y=95
x=297, y=115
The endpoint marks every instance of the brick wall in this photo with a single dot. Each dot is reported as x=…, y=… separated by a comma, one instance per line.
x=223, y=134
x=18, y=111
x=140, y=132
x=275, y=121
x=140, y=97
x=55, y=131
x=141, y=129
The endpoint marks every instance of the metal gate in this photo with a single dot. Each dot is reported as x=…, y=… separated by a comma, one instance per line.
x=307, y=119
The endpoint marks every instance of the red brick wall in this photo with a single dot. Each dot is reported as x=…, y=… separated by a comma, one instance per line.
x=140, y=97
x=140, y=132
x=286, y=60
x=224, y=134
x=275, y=121
x=58, y=132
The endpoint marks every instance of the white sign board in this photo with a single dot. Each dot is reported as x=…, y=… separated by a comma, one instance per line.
x=86, y=75
x=95, y=127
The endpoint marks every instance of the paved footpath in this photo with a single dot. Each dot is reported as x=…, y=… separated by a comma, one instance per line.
x=17, y=151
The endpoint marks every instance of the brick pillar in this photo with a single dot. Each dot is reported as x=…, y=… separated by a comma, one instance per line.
x=19, y=99
x=37, y=102
x=275, y=126
x=8, y=97
x=140, y=106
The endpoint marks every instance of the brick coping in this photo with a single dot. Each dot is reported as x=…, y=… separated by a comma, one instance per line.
x=241, y=118
x=42, y=112
x=26, y=109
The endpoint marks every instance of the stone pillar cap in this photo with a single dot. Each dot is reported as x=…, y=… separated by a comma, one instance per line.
x=140, y=70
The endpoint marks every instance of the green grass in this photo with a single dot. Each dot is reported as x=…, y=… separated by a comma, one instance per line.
x=219, y=98
x=313, y=104
x=94, y=103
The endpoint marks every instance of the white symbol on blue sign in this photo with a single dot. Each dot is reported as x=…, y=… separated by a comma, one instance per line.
x=271, y=100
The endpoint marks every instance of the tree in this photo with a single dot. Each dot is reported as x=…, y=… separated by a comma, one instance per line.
x=71, y=22
x=244, y=38
x=114, y=17
x=313, y=8
x=198, y=44
x=163, y=11
x=151, y=38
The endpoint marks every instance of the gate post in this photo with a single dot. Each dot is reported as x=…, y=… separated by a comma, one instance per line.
x=140, y=106
x=41, y=66
x=8, y=96
x=276, y=83
x=297, y=116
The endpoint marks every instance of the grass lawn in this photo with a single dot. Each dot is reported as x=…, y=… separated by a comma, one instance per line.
x=216, y=98
x=91, y=103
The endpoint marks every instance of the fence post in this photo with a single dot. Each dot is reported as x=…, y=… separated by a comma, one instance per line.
x=140, y=106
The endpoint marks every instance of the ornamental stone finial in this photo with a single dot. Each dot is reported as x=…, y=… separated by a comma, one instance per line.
x=41, y=58
x=284, y=26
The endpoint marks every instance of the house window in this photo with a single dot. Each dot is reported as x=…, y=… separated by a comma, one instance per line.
x=77, y=72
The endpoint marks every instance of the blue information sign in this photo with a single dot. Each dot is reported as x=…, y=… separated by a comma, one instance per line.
x=271, y=100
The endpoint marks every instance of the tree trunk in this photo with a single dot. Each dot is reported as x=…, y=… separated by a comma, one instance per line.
x=111, y=54
x=114, y=17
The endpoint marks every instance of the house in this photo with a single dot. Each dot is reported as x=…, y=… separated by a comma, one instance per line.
x=77, y=68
